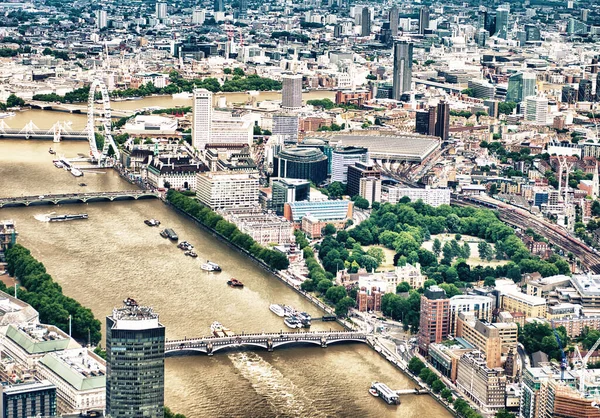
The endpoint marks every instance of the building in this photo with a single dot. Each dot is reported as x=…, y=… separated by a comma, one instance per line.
x=568, y=94
x=407, y=273
x=8, y=234
x=434, y=321
x=291, y=91
x=161, y=10
x=231, y=130
x=368, y=300
x=242, y=10
x=178, y=173
x=403, y=60
x=80, y=379
x=359, y=171
x=393, y=19
x=483, y=385
x=357, y=97
x=538, y=389
x=101, y=19
x=301, y=163
x=536, y=109
x=286, y=125
x=542, y=286
x=226, y=189
x=575, y=326
x=151, y=126
x=521, y=85
x=264, y=228
x=135, y=362
x=513, y=300
x=28, y=343
x=425, y=121
x=286, y=190
x=202, y=118
x=433, y=197
x=442, y=125
x=502, y=14
x=313, y=216
x=344, y=157
x=482, y=89
x=584, y=91
x=480, y=306
x=198, y=17
x=423, y=19
x=219, y=6
x=444, y=357
x=37, y=399
x=370, y=189
x=365, y=23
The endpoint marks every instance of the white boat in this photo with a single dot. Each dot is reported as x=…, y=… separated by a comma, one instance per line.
x=217, y=329
x=373, y=392
x=6, y=114
x=277, y=309
x=288, y=311
x=58, y=164
x=182, y=95
x=292, y=322
x=76, y=172
x=210, y=266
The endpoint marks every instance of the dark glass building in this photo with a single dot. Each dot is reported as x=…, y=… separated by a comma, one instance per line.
x=301, y=163
x=357, y=172
x=442, y=125
x=135, y=363
x=28, y=400
x=425, y=121
x=288, y=190
x=584, y=93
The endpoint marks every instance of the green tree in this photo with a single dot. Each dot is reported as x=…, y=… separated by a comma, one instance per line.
x=485, y=251
x=446, y=394
x=14, y=101
x=489, y=281
x=329, y=229
x=437, y=386
x=238, y=72
x=360, y=202
x=335, y=294
x=341, y=308
x=402, y=287
x=415, y=365
x=170, y=414
x=504, y=414
x=437, y=247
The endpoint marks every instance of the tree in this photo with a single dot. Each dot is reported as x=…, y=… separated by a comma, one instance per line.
x=466, y=250
x=377, y=253
x=506, y=107
x=403, y=287
x=14, y=101
x=170, y=414
x=341, y=308
x=437, y=247
x=324, y=285
x=238, y=72
x=335, y=293
x=415, y=365
x=428, y=283
x=504, y=414
x=485, y=250
x=446, y=394
x=437, y=386
x=489, y=281
x=329, y=229
x=336, y=190
x=360, y=202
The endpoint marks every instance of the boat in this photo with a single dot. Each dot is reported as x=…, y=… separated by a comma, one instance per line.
x=305, y=319
x=217, y=329
x=385, y=393
x=235, y=283
x=210, y=266
x=186, y=246
x=76, y=172
x=182, y=95
x=51, y=151
x=191, y=254
x=373, y=392
x=82, y=184
x=227, y=331
x=152, y=222
x=6, y=114
x=170, y=234
x=130, y=302
x=288, y=311
x=58, y=164
x=135, y=98
x=164, y=234
x=292, y=322
x=277, y=309
x=61, y=218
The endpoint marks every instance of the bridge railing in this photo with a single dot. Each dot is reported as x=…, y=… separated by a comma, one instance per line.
x=276, y=335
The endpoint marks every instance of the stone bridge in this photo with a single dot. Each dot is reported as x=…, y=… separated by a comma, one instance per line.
x=210, y=345
x=77, y=198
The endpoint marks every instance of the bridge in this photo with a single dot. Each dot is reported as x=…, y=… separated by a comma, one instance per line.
x=267, y=341
x=76, y=108
x=60, y=130
x=78, y=198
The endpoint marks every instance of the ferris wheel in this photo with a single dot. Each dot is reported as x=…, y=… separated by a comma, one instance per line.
x=105, y=118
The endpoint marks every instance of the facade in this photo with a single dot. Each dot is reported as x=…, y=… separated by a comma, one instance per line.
x=180, y=173
x=198, y=17
x=202, y=118
x=344, y=157
x=406, y=273
x=442, y=125
x=368, y=300
x=135, y=363
x=28, y=400
x=301, y=163
x=403, y=60
x=8, y=234
x=502, y=14
x=370, y=189
x=575, y=326
x=101, y=19
x=521, y=85
x=434, y=321
x=568, y=94
x=226, y=189
x=291, y=91
x=264, y=228
x=286, y=126
x=28, y=343
x=483, y=385
x=231, y=131
x=425, y=121
x=433, y=197
x=423, y=19
x=530, y=306
x=360, y=171
x=286, y=190
x=480, y=306
x=482, y=89
x=327, y=210
x=536, y=110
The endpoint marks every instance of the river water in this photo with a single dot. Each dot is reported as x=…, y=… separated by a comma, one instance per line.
x=113, y=255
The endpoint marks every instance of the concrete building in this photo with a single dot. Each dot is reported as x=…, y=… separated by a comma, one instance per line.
x=480, y=306
x=370, y=189
x=444, y=357
x=482, y=89
x=135, y=362
x=433, y=197
x=403, y=60
x=8, y=234
x=513, y=300
x=313, y=216
x=198, y=16
x=151, y=126
x=179, y=173
x=202, y=118
x=406, y=273
x=365, y=24
x=301, y=163
x=37, y=399
x=264, y=228
x=502, y=14
x=230, y=130
x=344, y=157
x=585, y=92
x=101, y=19
x=423, y=19
x=434, y=320
x=291, y=91
x=393, y=19
x=360, y=171
x=483, y=385
x=543, y=286
x=425, y=121
x=28, y=343
x=537, y=395
x=161, y=10
x=225, y=189
x=536, y=110
x=286, y=125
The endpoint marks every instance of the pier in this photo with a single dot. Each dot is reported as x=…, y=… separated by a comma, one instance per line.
x=78, y=198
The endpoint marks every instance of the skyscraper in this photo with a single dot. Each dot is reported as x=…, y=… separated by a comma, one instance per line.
x=403, y=57
x=584, y=93
x=202, y=118
x=502, y=22
x=291, y=91
x=442, y=125
x=394, y=16
x=161, y=10
x=423, y=19
x=198, y=17
x=219, y=6
x=435, y=318
x=520, y=85
x=135, y=362
x=242, y=11
x=101, y=19
x=536, y=109
x=365, y=22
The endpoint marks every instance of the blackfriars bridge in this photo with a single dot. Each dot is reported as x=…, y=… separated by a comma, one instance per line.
x=78, y=198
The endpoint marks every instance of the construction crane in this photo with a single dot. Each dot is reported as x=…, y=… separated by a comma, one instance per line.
x=584, y=362
x=563, y=361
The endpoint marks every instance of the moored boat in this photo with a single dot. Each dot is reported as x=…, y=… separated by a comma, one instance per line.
x=58, y=164
x=164, y=234
x=210, y=266
x=373, y=392
x=186, y=246
x=191, y=254
x=288, y=311
x=152, y=222
x=277, y=309
x=76, y=172
x=235, y=283
x=217, y=329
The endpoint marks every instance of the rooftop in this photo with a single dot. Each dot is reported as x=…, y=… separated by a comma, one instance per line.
x=38, y=338
x=79, y=367
x=587, y=285
x=27, y=387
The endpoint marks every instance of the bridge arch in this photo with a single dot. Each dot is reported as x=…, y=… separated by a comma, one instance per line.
x=299, y=341
x=101, y=157
x=244, y=344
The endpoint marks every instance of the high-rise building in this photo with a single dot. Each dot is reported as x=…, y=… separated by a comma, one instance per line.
x=442, y=125
x=227, y=189
x=242, y=11
x=478, y=305
x=393, y=18
x=286, y=126
x=483, y=385
x=482, y=89
x=202, y=118
x=423, y=19
x=490, y=23
x=536, y=109
x=422, y=123
x=291, y=91
x=288, y=190
x=597, y=87
x=532, y=33
x=219, y=6
x=357, y=172
x=198, y=17
x=135, y=362
x=569, y=94
x=584, y=93
x=301, y=163
x=101, y=19
x=502, y=22
x=520, y=85
x=370, y=189
x=337, y=31
x=344, y=157
x=28, y=400
x=576, y=27
x=435, y=315
x=161, y=10
x=365, y=24
x=403, y=59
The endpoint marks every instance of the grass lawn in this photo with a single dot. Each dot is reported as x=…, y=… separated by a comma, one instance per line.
x=474, y=260
x=388, y=264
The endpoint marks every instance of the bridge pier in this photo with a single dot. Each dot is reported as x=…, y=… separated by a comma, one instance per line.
x=323, y=342
x=209, y=349
x=270, y=344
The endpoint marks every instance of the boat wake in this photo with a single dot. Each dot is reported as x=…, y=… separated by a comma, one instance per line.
x=280, y=392
x=44, y=217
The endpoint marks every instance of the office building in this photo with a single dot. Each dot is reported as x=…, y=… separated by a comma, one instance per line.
x=513, y=300
x=532, y=33
x=202, y=118
x=301, y=163
x=135, y=362
x=365, y=24
x=344, y=157
x=393, y=19
x=403, y=59
x=483, y=385
x=433, y=197
x=536, y=110
x=482, y=89
x=37, y=399
x=286, y=126
x=492, y=106
x=161, y=10
x=227, y=189
x=101, y=19
x=539, y=390
x=502, y=22
x=521, y=85
x=434, y=320
x=423, y=19
x=480, y=306
x=8, y=234
x=228, y=130
x=326, y=211
x=286, y=190
x=28, y=343
x=219, y=6
x=179, y=173
x=264, y=228
x=576, y=27
x=569, y=94
x=425, y=121
x=584, y=92
x=370, y=189
x=198, y=17
x=242, y=10
x=442, y=124
x=358, y=171
x=291, y=91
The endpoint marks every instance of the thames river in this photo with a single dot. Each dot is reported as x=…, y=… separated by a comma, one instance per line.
x=114, y=255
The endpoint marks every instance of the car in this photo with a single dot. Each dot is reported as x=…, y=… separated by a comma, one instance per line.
x=41, y=196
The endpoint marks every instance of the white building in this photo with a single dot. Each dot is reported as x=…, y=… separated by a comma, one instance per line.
x=344, y=157
x=536, y=110
x=198, y=17
x=179, y=172
x=231, y=131
x=286, y=126
x=151, y=124
x=28, y=343
x=433, y=197
x=80, y=379
x=370, y=189
x=480, y=306
x=101, y=19
x=291, y=92
x=407, y=273
x=202, y=118
x=161, y=10
x=226, y=189
x=264, y=228
x=159, y=80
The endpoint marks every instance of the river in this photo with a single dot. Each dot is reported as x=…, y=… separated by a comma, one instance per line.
x=113, y=255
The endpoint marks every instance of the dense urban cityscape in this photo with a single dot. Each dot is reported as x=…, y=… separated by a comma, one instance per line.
x=319, y=208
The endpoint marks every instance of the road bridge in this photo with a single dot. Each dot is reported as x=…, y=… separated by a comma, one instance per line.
x=78, y=198
x=77, y=108
x=267, y=341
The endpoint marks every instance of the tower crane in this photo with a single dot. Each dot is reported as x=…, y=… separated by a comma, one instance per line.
x=584, y=362
x=563, y=360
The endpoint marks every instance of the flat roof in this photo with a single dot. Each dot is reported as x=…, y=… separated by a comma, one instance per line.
x=587, y=285
x=78, y=367
x=27, y=387
x=37, y=338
